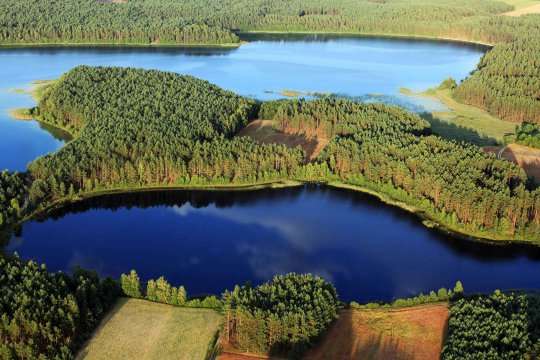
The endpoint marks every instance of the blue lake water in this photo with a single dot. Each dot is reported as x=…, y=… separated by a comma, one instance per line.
x=263, y=67
x=210, y=241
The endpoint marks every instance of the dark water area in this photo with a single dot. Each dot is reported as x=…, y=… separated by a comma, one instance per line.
x=209, y=241
x=372, y=68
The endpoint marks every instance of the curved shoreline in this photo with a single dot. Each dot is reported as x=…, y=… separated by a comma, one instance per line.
x=427, y=220
x=430, y=222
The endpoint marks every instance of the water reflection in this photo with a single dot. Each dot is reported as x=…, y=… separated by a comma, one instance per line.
x=210, y=241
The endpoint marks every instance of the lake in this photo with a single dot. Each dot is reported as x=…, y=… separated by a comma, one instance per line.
x=209, y=241
x=369, y=67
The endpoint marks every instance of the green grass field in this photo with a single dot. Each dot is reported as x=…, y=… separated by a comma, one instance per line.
x=139, y=329
x=465, y=122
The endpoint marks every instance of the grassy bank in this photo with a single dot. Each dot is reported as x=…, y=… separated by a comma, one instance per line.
x=465, y=122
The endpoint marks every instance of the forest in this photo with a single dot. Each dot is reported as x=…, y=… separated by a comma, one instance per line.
x=529, y=135
x=497, y=326
x=12, y=196
x=282, y=316
x=48, y=315
x=142, y=128
x=162, y=292
x=507, y=81
x=211, y=22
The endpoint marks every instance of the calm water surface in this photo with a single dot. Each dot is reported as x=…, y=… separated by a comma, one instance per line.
x=347, y=65
x=210, y=241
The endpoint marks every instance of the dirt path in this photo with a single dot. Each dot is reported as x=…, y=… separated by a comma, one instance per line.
x=533, y=9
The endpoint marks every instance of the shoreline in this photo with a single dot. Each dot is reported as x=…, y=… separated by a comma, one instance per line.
x=243, y=42
x=427, y=220
x=360, y=34
x=112, y=45
x=59, y=203
x=430, y=222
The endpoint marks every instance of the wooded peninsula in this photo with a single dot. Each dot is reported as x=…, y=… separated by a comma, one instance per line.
x=138, y=129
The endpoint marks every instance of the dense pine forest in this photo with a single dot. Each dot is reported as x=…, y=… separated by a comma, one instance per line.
x=507, y=81
x=142, y=128
x=529, y=135
x=497, y=326
x=12, y=196
x=48, y=315
x=283, y=316
x=189, y=22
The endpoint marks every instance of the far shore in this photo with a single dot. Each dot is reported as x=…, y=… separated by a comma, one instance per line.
x=242, y=42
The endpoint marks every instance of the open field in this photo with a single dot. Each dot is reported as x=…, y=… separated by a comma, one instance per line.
x=466, y=122
x=526, y=157
x=139, y=329
x=399, y=333
x=264, y=131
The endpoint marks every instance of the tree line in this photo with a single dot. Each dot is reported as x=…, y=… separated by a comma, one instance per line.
x=48, y=315
x=161, y=291
x=443, y=294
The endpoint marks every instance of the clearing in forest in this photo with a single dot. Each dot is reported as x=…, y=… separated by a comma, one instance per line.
x=264, y=131
x=398, y=333
x=140, y=329
x=526, y=157
x=465, y=122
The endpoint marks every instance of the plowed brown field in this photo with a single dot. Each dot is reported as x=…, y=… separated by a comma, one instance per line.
x=407, y=333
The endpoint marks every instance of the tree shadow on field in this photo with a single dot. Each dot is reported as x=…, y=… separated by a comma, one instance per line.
x=449, y=130
x=348, y=339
